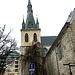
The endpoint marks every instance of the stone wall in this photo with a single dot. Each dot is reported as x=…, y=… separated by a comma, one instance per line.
x=62, y=52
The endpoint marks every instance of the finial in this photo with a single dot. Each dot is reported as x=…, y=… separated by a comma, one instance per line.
x=23, y=16
x=36, y=16
x=23, y=20
x=37, y=19
x=23, y=23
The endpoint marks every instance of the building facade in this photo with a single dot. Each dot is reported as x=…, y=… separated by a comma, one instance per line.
x=12, y=64
x=60, y=60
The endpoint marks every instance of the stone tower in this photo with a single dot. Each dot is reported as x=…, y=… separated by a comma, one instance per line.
x=30, y=32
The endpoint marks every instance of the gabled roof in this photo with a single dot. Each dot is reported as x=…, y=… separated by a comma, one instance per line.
x=47, y=40
x=63, y=30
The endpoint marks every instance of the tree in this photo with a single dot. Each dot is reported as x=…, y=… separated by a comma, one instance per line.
x=7, y=45
x=34, y=55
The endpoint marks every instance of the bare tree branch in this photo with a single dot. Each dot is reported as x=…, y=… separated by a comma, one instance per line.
x=7, y=45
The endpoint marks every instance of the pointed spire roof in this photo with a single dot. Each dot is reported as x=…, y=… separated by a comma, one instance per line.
x=23, y=23
x=29, y=2
x=23, y=20
x=30, y=17
x=29, y=6
x=30, y=21
x=37, y=20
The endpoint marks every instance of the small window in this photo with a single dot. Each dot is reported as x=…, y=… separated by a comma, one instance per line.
x=16, y=66
x=26, y=37
x=8, y=70
x=35, y=37
x=45, y=51
x=16, y=70
x=16, y=62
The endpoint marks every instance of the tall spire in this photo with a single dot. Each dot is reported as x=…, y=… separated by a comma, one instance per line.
x=30, y=22
x=29, y=6
x=29, y=2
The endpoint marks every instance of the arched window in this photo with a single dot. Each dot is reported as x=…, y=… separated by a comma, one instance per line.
x=35, y=37
x=26, y=37
x=45, y=51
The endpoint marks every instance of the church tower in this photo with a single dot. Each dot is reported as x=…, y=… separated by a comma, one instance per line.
x=30, y=32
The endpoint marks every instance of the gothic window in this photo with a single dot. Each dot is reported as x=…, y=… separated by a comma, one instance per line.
x=26, y=37
x=59, y=51
x=35, y=37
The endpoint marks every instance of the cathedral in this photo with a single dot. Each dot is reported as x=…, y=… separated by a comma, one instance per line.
x=58, y=52
x=49, y=55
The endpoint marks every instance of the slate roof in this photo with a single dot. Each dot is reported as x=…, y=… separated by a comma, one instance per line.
x=47, y=40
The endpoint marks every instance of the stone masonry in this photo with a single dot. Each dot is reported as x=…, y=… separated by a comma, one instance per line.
x=62, y=50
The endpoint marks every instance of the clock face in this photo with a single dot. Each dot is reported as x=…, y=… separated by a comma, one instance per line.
x=30, y=23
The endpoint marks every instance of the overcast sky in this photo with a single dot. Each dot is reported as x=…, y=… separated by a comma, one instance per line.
x=52, y=15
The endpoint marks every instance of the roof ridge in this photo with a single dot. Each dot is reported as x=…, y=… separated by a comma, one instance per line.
x=48, y=36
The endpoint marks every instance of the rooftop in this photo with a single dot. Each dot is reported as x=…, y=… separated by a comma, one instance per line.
x=47, y=40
